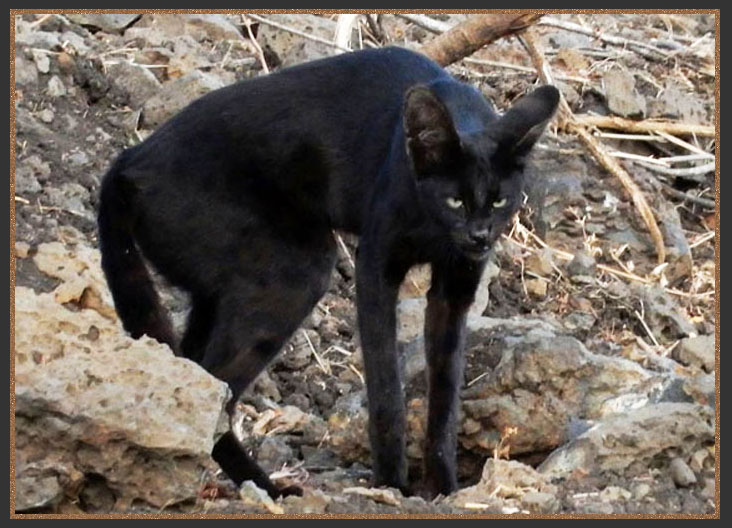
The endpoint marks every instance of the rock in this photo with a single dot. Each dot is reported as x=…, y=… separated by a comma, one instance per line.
x=663, y=314
x=678, y=251
x=297, y=353
x=681, y=473
x=251, y=495
x=26, y=73
x=176, y=95
x=709, y=490
x=696, y=351
x=641, y=490
x=541, y=263
x=582, y=264
x=28, y=35
x=701, y=388
x=289, y=49
x=615, y=494
x=26, y=180
x=510, y=481
x=111, y=23
x=536, y=287
x=136, y=80
x=80, y=271
x=676, y=102
x=384, y=496
x=21, y=249
x=214, y=28
x=542, y=383
x=156, y=28
x=43, y=63
x=698, y=460
x=638, y=436
x=538, y=502
x=312, y=502
x=56, y=87
x=622, y=97
x=96, y=408
x=70, y=196
x=273, y=452
x=46, y=115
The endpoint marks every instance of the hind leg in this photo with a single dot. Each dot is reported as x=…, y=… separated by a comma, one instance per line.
x=261, y=307
x=200, y=323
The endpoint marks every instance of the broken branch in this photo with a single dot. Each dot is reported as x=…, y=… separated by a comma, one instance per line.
x=628, y=125
x=471, y=35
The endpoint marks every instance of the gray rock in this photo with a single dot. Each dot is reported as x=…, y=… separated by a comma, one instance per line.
x=540, y=502
x=696, y=351
x=638, y=436
x=26, y=73
x=701, y=389
x=43, y=63
x=622, y=97
x=70, y=196
x=56, y=87
x=136, y=80
x=663, y=314
x=581, y=264
x=211, y=27
x=111, y=23
x=156, y=28
x=676, y=102
x=46, y=115
x=25, y=178
x=176, y=95
x=95, y=409
x=681, y=473
x=28, y=35
x=292, y=49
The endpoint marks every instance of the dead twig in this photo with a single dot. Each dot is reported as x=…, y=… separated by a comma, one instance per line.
x=257, y=47
x=648, y=125
x=567, y=119
x=642, y=48
x=471, y=35
x=689, y=173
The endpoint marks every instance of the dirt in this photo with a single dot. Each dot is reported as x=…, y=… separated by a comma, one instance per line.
x=66, y=142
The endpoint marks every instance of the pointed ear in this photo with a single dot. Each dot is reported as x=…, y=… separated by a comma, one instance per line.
x=523, y=123
x=432, y=141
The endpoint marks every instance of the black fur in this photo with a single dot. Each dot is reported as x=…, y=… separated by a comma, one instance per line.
x=236, y=197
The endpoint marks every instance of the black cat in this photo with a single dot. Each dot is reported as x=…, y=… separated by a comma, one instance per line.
x=235, y=200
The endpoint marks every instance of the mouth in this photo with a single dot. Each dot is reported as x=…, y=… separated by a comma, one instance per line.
x=476, y=252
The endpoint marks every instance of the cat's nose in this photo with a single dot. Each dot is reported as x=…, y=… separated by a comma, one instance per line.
x=480, y=236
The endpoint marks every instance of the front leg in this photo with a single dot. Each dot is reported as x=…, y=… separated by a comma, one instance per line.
x=377, y=283
x=450, y=296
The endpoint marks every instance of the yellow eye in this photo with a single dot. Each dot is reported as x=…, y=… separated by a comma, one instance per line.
x=499, y=204
x=454, y=203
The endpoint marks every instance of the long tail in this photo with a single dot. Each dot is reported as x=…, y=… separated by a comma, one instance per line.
x=135, y=298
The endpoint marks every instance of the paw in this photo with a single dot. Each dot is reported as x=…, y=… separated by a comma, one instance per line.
x=286, y=491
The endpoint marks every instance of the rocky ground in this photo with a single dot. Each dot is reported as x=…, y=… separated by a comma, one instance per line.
x=589, y=385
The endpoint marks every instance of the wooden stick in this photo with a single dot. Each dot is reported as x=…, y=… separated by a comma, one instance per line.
x=628, y=125
x=471, y=35
x=641, y=48
x=568, y=120
x=689, y=173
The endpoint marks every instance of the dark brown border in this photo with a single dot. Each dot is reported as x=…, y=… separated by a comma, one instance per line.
x=13, y=515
